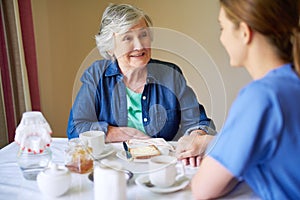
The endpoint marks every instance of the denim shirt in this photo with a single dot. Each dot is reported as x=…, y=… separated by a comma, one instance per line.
x=169, y=106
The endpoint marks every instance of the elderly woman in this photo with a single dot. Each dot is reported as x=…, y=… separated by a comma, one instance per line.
x=128, y=94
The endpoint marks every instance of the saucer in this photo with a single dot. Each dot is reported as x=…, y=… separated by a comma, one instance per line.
x=108, y=149
x=144, y=182
x=128, y=175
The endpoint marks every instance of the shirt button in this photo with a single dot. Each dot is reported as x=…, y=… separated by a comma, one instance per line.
x=145, y=119
x=144, y=97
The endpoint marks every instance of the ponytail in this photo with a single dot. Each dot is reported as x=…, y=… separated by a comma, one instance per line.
x=296, y=42
x=296, y=50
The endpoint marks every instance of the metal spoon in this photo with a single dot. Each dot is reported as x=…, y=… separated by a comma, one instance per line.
x=149, y=184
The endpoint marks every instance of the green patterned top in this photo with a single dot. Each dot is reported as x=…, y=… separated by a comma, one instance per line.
x=134, y=108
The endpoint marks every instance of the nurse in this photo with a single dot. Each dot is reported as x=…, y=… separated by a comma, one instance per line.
x=260, y=140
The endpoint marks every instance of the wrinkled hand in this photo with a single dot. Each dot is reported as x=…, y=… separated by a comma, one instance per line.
x=191, y=148
x=119, y=134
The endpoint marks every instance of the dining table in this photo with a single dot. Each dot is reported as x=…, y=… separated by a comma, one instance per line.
x=14, y=186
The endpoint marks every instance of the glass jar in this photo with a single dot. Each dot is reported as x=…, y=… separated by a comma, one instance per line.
x=77, y=157
x=32, y=163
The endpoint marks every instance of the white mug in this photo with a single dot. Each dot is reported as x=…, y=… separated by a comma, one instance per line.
x=95, y=140
x=163, y=171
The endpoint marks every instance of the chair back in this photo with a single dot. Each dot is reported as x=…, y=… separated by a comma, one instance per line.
x=89, y=59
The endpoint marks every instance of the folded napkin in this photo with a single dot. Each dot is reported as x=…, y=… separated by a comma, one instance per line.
x=33, y=134
x=158, y=142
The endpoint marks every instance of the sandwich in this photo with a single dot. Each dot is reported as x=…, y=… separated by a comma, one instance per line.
x=144, y=152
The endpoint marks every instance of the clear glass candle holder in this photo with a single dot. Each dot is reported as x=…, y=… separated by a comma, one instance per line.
x=31, y=164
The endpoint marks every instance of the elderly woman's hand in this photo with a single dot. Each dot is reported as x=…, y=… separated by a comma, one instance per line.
x=190, y=148
x=119, y=134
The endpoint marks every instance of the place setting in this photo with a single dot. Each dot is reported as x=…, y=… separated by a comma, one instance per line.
x=160, y=166
x=137, y=150
x=163, y=175
x=160, y=171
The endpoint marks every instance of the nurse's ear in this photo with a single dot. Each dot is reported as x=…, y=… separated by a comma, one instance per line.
x=246, y=33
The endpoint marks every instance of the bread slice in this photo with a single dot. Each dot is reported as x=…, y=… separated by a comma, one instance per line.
x=144, y=152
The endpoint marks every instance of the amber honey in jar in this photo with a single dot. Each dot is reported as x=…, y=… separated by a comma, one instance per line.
x=77, y=157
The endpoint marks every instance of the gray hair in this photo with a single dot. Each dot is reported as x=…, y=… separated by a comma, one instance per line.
x=117, y=19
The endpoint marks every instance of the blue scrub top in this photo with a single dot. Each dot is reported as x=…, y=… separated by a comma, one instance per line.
x=260, y=141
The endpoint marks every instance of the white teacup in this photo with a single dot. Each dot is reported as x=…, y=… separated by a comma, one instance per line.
x=163, y=171
x=95, y=140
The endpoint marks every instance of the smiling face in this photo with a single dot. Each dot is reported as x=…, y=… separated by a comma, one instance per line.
x=231, y=39
x=133, y=48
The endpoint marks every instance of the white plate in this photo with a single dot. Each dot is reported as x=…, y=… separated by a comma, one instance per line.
x=108, y=149
x=122, y=155
x=178, y=185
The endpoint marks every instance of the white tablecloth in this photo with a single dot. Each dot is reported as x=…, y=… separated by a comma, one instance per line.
x=14, y=186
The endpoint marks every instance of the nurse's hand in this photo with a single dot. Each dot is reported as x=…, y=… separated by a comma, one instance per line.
x=191, y=148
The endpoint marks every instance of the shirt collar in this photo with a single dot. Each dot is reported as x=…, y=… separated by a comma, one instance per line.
x=112, y=69
x=283, y=69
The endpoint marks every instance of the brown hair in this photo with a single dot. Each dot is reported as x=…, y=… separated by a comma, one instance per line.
x=278, y=20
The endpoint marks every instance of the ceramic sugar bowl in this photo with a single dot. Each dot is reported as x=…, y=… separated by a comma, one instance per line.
x=54, y=181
